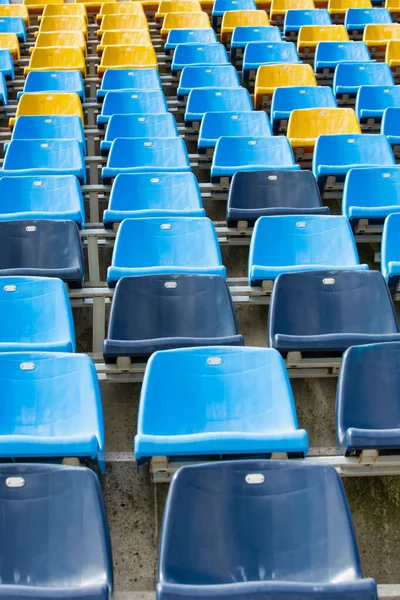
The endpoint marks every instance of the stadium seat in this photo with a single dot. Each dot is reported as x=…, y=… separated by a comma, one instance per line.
x=3, y=90
x=146, y=155
x=241, y=18
x=233, y=154
x=60, y=39
x=184, y=21
x=367, y=407
x=44, y=157
x=52, y=127
x=62, y=23
x=15, y=10
x=194, y=54
x=258, y=193
x=137, y=195
x=138, y=125
x=9, y=41
x=287, y=99
x=376, y=37
x=321, y=311
x=122, y=23
x=13, y=25
x=270, y=509
x=57, y=59
x=136, y=37
x=270, y=77
x=37, y=7
x=199, y=76
x=392, y=55
x=119, y=8
x=172, y=311
x=372, y=100
x=311, y=35
x=335, y=155
x=48, y=197
x=390, y=126
x=184, y=36
x=42, y=248
x=260, y=53
x=357, y=18
x=38, y=315
x=220, y=7
x=165, y=245
x=129, y=79
x=72, y=496
x=279, y=8
x=54, y=81
x=63, y=10
x=48, y=104
x=92, y=5
x=349, y=77
x=125, y=102
x=176, y=6
x=338, y=8
x=288, y=243
x=295, y=19
x=217, y=124
x=6, y=64
x=202, y=100
x=241, y=36
x=329, y=55
x=128, y=58
x=249, y=383
x=390, y=250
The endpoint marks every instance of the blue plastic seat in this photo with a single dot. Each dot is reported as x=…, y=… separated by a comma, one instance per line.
x=13, y=25
x=6, y=64
x=367, y=406
x=296, y=18
x=261, y=512
x=198, y=53
x=32, y=540
x=43, y=248
x=357, y=18
x=349, y=77
x=47, y=197
x=253, y=194
x=251, y=154
x=44, y=157
x=3, y=90
x=253, y=407
x=161, y=245
x=329, y=54
x=213, y=99
x=221, y=6
x=390, y=250
x=37, y=315
x=198, y=76
x=242, y=35
x=54, y=81
x=184, y=36
x=267, y=53
x=129, y=79
x=35, y=426
x=146, y=155
x=390, y=126
x=49, y=127
x=127, y=102
x=372, y=100
x=171, y=311
x=320, y=311
x=286, y=99
x=139, y=125
x=217, y=124
x=136, y=195
x=335, y=155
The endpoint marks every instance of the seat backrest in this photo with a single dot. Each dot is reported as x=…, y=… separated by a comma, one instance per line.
x=270, y=52
x=189, y=20
x=217, y=124
x=373, y=187
x=134, y=101
x=218, y=99
x=290, y=98
x=192, y=53
x=120, y=79
x=123, y=21
x=363, y=16
x=63, y=103
x=369, y=73
x=63, y=23
x=313, y=122
x=125, y=38
x=294, y=19
x=243, y=34
x=148, y=152
x=343, y=149
x=129, y=57
x=275, y=76
x=198, y=76
x=272, y=151
x=321, y=33
x=374, y=33
x=337, y=52
x=141, y=125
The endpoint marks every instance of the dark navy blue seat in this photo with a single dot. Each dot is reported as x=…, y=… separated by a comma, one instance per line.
x=329, y=54
x=318, y=311
x=171, y=311
x=184, y=36
x=44, y=248
x=54, y=81
x=253, y=194
x=367, y=405
x=128, y=102
x=238, y=124
x=267, y=53
x=13, y=25
x=296, y=18
x=390, y=250
x=261, y=512
x=372, y=101
x=49, y=127
x=349, y=77
x=195, y=54
x=286, y=99
x=129, y=79
x=199, y=76
x=242, y=35
x=6, y=64
x=390, y=126
x=357, y=18
x=213, y=99
x=138, y=125
x=253, y=406
x=36, y=545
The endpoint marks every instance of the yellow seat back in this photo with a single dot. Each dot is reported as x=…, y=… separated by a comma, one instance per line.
x=380, y=35
x=48, y=103
x=54, y=24
x=9, y=41
x=392, y=56
x=242, y=18
x=57, y=59
x=15, y=10
x=270, y=77
x=190, y=20
x=176, y=6
x=119, y=8
x=35, y=6
x=306, y=125
x=311, y=35
x=92, y=5
x=136, y=37
x=63, y=10
x=339, y=7
x=122, y=22
x=128, y=57
x=60, y=39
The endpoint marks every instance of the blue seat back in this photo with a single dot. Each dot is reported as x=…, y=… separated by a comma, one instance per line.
x=221, y=6
x=197, y=76
x=391, y=124
x=141, y=125
x=184, y=36
x=119, y=102
x=259, y=53
x=354, y=149
x=49, y=127
x=242, y=35
x=333, y=53
x=149, y=154
x=129, y=79
x=375, y=188
x=263, y=151
x=358, y=18
x=218, y=124
x=13, y=25
x=373, y=99
x=203, y=100
x=6, y=64
x=286, y=99
x=294, y=19
x=197, y=53
x=349, y=77
x=55, y=81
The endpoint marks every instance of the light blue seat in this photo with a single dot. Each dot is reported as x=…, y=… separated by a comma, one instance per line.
x=198, y=76
x=35, y=426
x=54, y=81
x=329, y=54
x=287, y=243
x=3, y=90
x=139, y=125
x=286, y=99
x=251, y=154
x=267, y=53
x=4, y=1
x=349, y=77
x=296, y=18
x=6, y=64
x=198, y=53
x=372, y=100
x=44, y=157
x=128, y=102
x=357, y=18
x=146, y=155
x=136, y=195
x=217, y=124
x=183, y=36
x=13, y=25
x=390, y=126
x=242, y=35
x=165, y=245
x=221, y=6
x=203, y=100
x=37, y=315
x=253, y=406
x=49, y=127
x=46, y=197
x=129, y=79
x=335, y=155
x=390, y=250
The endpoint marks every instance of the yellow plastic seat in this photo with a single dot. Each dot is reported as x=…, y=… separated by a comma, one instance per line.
x=338, y=8
x=378, y=36
x=128, y=57
x=270, y=77
x=138, y=37
x=63, y=10
x=53, y=24
x=122, y=23
x=34, y=6
x=186, y=20
x=176, y=6
x=241, y=18
x=393, y=7
x=392, y=56
x=9, y=41
x=15, y=10
x=119, y=8
x=47, y=103
x=280, y=7
x=92, y=5
x=57, y=59
x=311, y=35
x=61, y=39
x=306, y=125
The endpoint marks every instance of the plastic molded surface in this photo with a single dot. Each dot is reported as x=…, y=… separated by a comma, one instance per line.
x=195, y=53
x=198, y=76
x=307, y=125
x=51, y=127
x=184, y=36
x=329, y=54
x=390, y=250
x=349, y=77
x=357, y=18
x=217, y=124
x=124, y=102
x=294, y=19
x=258, y=53
x=129, y=79
x=287, y=99
x=241, y=36
x=13, y=25
x=213, y=99
x=55, y=81
x=372, y=100
x=140, y=125
x=6, y=64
